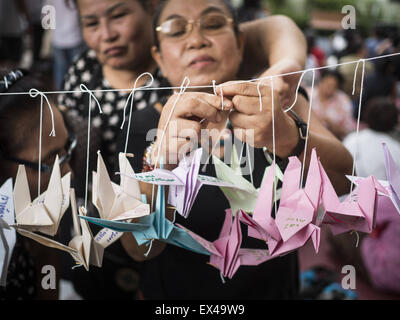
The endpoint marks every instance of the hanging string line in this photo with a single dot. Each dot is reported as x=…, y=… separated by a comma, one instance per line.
x=33, y=94
x=210, y=86
x=91, y=95
x=358, y=117
x=185, y=84
x=131, y=98
x=308, y=129
x=273, y=141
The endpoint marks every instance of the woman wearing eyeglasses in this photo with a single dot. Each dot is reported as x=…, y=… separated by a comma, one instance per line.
x=200, y=40
x=119, y=35
x=19, y=136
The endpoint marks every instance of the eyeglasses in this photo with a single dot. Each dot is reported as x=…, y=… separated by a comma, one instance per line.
x=179, y=28
x=70, y=146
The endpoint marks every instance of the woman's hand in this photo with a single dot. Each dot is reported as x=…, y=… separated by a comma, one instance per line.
x=192, y=112
x=248, y=114
x=286, y=85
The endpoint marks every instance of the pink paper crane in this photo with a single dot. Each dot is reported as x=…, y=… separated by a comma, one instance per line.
x=226, y=254
x=295, y=219
x=356, y=213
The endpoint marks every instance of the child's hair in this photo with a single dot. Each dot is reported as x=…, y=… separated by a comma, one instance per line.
x=13, y=109
x=381, y=114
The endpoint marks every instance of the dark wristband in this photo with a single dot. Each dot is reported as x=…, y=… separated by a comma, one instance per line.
x=299, y=148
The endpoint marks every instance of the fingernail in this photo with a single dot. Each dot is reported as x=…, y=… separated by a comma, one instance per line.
x=227, y=104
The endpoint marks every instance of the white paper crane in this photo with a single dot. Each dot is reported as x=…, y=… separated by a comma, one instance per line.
x=117, y=202
x=45, y=212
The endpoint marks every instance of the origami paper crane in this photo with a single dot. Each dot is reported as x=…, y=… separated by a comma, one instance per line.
x=184, y=182
x=117, y=202
x=244, y=196
x=45, y=212
x=82, y=247
x=393, y=177
x=7, y=235
x=293, y=226
x=225, y=252
x=356, y=213
x=153, y=227
x=389, y=188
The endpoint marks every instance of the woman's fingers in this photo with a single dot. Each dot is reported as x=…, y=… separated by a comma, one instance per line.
x=251, y=89
x=199, y=106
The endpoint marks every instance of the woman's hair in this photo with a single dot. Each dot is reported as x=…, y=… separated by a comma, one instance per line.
x=381, y=114
x=160, y=8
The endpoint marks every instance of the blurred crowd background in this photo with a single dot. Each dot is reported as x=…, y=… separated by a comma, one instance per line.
x=26, y=44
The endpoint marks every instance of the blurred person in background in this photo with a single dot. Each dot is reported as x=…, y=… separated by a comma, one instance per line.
x=251, y=10
x=331, y=105
x=67, y=38
x=12, y=13
x=355, y=51
x=381, y=117
x=377, y=258
x=382, y=82
x=35, y=14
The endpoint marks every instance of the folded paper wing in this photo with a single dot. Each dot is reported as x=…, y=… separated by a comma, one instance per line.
x=151, y=227
x=225, y=252
x=82, y=247
x=184, y=181
x=357, y=212
x=245, y=197
x=293, y=225
x=393, y=177
x=7, y=234
x=117, y=202
x=45, y=212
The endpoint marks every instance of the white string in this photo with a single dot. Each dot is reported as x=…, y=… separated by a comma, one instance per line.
x=222, y=277
x=40, y=144
x=214, y=88
x=251, y=169
x=259, y=95
x=174, y=214
x=297, y=90
x=358, y=118
x=34, y=93
x=150, y=246
x=210, y=86
x=131, y=97
x=308, y=130
x=91, y=95
x=183, y=87
x=274, y=141
x=358, y=237
x=241, y=154
x=203, y=169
